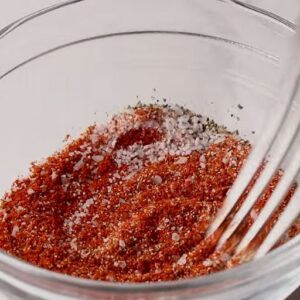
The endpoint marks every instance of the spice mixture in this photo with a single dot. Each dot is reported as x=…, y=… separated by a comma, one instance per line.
x=130, y=201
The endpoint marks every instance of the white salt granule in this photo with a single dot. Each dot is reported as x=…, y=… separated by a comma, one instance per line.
x=207, y=263
x=78, y=165
x=225, y=160
x=121, y=264
x=122, y=244
x=73, y=244
x=202, y=159
x=54, y=175
x=19, y=208
x=182, y=260
x=15, y=230
x=78, y=215
x=175, y=237
x=87, y=204
x=30, y=191
x=97, y=158
x=202, y=165
x=181, y=160
x=157, y=179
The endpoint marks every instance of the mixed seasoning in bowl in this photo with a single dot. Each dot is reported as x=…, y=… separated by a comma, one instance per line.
x=129, y=201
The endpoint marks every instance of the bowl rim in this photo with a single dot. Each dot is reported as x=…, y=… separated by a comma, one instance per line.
x=274, y=261
x=231, y=43
x=277, y=259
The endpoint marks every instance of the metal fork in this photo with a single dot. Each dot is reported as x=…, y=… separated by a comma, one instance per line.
x=275, y=148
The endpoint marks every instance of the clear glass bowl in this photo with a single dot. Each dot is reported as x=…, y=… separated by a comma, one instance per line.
x=65, y=67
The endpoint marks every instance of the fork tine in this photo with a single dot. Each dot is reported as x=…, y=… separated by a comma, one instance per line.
x=291, y=73
x=251, y=166
x=288, y=216
x=278, y=194
x=284, y=139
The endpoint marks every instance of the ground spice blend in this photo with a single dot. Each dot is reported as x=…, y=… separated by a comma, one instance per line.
x=130, y=201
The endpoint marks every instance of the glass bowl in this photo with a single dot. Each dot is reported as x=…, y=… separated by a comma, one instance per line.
x=69, y=65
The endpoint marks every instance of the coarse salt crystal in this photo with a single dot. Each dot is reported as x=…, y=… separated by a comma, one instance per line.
x=175, y=237
x=15, y=231
x=157, y=179
x=97, y=158
x=78, y=165
x=54, y=175
x=122, y=244
x=207, y=263
x=202, y=165
x=225, y=160
x=117, y=175
x=202, y=159
x=182, y=260
x=88, y=203
x=181, y=160
x=121, y=264
x=70, y=225
x=195, y=119
x=84, y=253
x=30, y=191
x=5, y=215
x=19, y=208
x=73, y=244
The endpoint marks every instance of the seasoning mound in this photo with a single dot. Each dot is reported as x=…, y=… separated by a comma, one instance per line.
x=130, y=201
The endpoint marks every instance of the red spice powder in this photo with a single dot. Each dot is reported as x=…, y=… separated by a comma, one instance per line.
x=128, y=202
